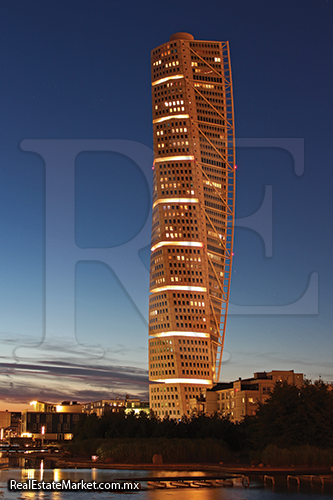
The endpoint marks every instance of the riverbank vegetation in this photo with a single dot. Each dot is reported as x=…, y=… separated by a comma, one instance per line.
x=172, y=450
x=293, y=427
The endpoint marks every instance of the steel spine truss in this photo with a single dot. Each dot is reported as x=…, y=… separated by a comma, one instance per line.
x=225, y=206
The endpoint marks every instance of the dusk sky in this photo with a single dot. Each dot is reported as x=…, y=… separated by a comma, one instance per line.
x=76, y=176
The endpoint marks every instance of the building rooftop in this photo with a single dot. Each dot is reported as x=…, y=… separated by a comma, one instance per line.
x=181, y=36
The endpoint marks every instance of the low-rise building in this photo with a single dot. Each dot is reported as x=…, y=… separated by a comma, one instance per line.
x=101, y=406
x=242, y=397
x=10, y=424
x=51, y=422
x=116, y=405
x=137, y=406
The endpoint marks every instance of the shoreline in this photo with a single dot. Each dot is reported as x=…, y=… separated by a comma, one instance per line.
x=243, y=469
x=82, y=462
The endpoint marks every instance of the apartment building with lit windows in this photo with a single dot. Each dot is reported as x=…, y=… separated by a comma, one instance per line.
x=116, y=405
x=192, y=219
x=242, y=397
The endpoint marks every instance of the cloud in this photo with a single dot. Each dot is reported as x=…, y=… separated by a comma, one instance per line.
x=55, y=381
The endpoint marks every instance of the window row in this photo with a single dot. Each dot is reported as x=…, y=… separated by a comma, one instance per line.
x=162, y=372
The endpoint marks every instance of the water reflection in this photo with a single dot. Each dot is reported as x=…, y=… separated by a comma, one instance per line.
x=94, y=474
x=41, y=470
x=56, y=475
x=256, y=492
x=194, y=494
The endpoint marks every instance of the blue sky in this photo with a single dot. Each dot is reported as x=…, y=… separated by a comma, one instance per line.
x=80, y=70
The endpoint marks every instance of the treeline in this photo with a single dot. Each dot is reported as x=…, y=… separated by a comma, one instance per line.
x=118, y=425
x=291, y=417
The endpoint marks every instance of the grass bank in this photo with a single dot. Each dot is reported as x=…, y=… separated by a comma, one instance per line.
x=178, y=451
x=85, y=447
x=142, y=450
x=297, y=455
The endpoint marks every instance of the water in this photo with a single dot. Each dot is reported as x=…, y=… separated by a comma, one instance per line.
x=257, y=490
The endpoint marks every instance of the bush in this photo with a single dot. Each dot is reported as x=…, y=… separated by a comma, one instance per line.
x=86, y=447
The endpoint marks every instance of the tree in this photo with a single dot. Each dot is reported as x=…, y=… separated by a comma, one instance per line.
x=295, y=416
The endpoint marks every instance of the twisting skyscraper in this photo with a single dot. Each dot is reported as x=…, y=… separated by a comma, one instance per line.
x=192, y=221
